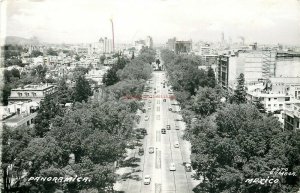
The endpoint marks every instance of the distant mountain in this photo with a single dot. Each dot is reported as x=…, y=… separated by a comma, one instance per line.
x=20, y=40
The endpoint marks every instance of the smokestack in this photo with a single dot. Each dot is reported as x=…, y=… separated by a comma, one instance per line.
x=113, y=34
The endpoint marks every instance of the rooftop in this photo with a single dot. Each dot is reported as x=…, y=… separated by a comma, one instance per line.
x=34, y=87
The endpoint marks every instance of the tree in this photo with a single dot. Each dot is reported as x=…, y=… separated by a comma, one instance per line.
x=52, y=52
x=16, y=73
x=211, y=79
x=236, y=144
x=132, y=56
x=82, y=90
x=206, y=101
x=64, y=93
x=240, y=92
x=110, y=77
x=36, y=53
x=102, y=59
x=48, y=110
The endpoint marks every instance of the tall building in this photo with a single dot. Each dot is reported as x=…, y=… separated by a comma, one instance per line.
x=171, y=44
x=183, y=47
x=149, y=42
x=223, y=70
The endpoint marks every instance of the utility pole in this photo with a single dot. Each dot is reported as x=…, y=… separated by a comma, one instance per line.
x=113, y=34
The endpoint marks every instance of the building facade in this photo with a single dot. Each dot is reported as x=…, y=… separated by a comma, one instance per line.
x=34, y=93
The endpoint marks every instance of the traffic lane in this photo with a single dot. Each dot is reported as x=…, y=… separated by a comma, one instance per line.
x=167, y=176
x=181, y=177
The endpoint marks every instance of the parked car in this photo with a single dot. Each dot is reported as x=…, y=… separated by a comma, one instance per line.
x=172, y=167
x=143, y=131
x=147, y=180
x=176, y=145
x=168, y=127
x=164, y=100
x=146, y=118
x=163, y=131
x=151, y=149
x=176, y=127
x=188, y=167
x=170, y=109
x=141, y=151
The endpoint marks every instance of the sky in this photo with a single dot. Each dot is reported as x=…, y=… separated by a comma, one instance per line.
x=85, y=21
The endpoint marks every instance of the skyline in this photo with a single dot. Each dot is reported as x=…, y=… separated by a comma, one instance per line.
x=79, y=21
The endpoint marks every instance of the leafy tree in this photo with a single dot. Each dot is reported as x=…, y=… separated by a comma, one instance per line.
x=102, y=59
x=36, y=53
x=82, y=90
x=240, y=92
x=110, y=77
x=236, y=144
x=40, y=71
x=211, y=79
x=6, y=93
x=48, y=110
x=52, y=52
x=14, y=141
x=64, y=93
x=206, y=101
x=16, y=73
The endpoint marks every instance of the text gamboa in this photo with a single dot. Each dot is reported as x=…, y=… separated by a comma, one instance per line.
x=60, y=179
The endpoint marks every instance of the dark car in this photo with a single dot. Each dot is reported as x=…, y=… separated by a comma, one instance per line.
x=168, y=127
x=141, y=151
x=143, y=131
x=163, y=131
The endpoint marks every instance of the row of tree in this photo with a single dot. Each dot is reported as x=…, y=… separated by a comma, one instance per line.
x=95, y=132
x=232, y=141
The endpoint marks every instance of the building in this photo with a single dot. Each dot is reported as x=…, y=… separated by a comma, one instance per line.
x=34, y=93
x=149, y=42
x=292, y=117
x=256, y=64
x=171, y=44
x=183, y=47
x=223, y=71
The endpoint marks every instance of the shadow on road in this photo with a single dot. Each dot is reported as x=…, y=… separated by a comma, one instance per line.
x=131, y=162
x=131, y=176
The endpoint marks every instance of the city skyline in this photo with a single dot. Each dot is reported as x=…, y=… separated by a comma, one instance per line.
x=264, y=21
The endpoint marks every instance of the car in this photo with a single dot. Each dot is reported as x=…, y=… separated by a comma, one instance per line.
x=141, y=151
x=176, y=145
x=147, y=180
x=188, y=167
x=170, y=109
x=176, y=127
x=163, y=131
x=146, y=118
x=143, y=131
x=149, y=108
x=172, y=167
x=168, y=127
x=151, y=149
x=164, y=100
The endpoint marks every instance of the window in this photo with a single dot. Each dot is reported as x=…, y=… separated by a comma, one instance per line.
x=275, y=105
x=20, y=94
x=269, y=105
x=27, y=94
x=269, y=99
x=33, y=94
x=275, y=98
x=281, y=106
x=287, y=99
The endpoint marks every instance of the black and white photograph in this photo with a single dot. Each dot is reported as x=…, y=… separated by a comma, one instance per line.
x=150, y=96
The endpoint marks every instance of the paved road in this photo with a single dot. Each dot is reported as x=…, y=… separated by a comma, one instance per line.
x=157, y=164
